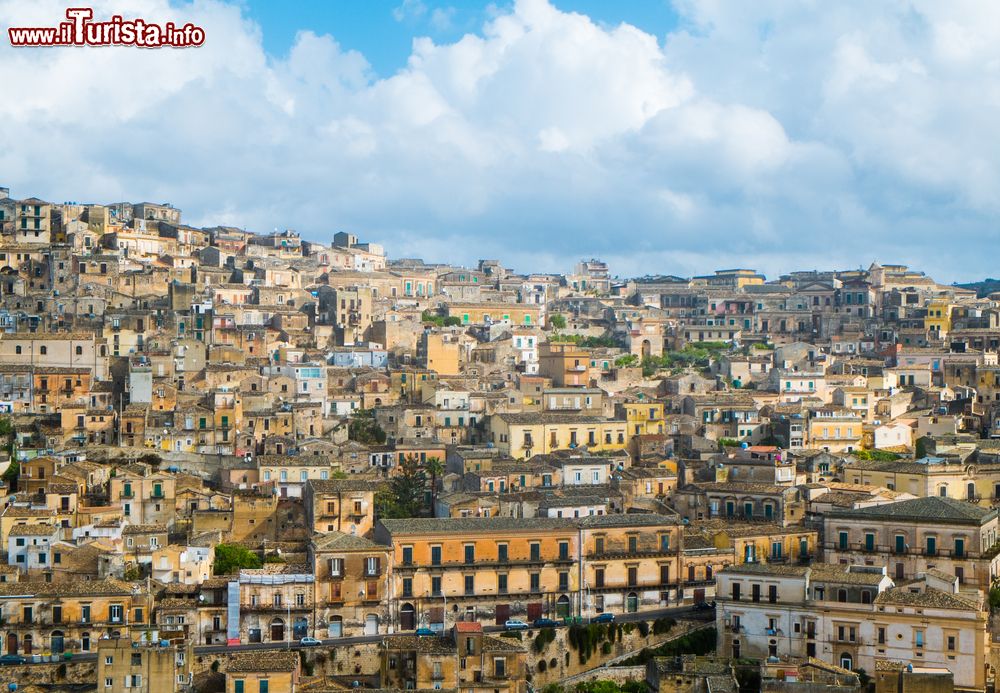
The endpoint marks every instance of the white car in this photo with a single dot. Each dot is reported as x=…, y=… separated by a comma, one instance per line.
x=309, y=642
x=515, y=624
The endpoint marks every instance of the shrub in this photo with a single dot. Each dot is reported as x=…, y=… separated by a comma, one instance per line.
x=542, y=640
x=606, y=648
x=542, y=666
x=643, y=628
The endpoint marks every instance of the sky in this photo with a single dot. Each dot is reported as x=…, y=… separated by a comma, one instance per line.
x=663, y=137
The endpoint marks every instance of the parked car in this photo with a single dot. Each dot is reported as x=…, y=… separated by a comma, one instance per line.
x=309, y=642
x=515, y=624
x=702, y=606
x=545, y=623
x=606, y=617
x=12, y=659
x=425, y=631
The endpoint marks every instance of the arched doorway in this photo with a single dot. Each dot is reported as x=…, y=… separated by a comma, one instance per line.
x=847, y=661
x=336, y=627
x=647, y=349
x=371, y=624
x=277, y=630
x=300, y=628
x=28, y=644
x=632, y=602
x=407, y=617
x=57, y=643
x=85, y=642
x=562, y=606
x=11, y=643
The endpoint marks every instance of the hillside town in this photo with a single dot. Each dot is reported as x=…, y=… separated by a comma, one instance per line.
x=253, y=462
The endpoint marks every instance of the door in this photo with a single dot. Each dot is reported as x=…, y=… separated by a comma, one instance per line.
x=301, y=628
x=57, y=642
x=534, y=610
x=407, y=617
x=371, y=624
x=336, y=627
x=11, y=643
x=503, y=613
x=632, y=603
x=277, y=630
x=27, y=644
x=699, y=595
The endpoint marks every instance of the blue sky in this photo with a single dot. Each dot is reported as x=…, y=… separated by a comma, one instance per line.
x=663, y=138
x=383, y=30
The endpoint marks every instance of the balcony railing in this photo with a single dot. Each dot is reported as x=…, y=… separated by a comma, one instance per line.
x=937, y=552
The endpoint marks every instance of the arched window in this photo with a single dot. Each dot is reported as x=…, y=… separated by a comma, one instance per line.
x=79, y=351
x=17, y=349
x=43, y=350
x=847, y=661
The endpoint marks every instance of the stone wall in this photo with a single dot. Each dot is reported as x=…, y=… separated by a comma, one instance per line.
x=631, y=643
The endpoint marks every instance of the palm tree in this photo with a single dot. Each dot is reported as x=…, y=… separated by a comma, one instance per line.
x=435, y=467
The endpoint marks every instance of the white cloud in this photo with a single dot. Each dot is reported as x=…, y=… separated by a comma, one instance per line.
x=409, y=9
x=765, y=134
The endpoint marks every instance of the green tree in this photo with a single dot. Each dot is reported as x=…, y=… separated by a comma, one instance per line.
x=364, y=428
x=435, y=468
x=626, y=361
x=557, y=321
x=229, y=558
x=403, y=497
x=9, y=436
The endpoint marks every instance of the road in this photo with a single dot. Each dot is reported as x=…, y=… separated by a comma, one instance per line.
x=674, y=612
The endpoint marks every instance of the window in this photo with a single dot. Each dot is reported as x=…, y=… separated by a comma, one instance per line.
x=470, y=553
x=238, y=686
x=502, y=553
x=407, y=555
x=435, y=555
x=563, y=550
x=536, y=551
x=436, y=586
x=536, y=582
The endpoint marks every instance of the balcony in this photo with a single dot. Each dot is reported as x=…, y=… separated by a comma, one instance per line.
x=271, y=606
